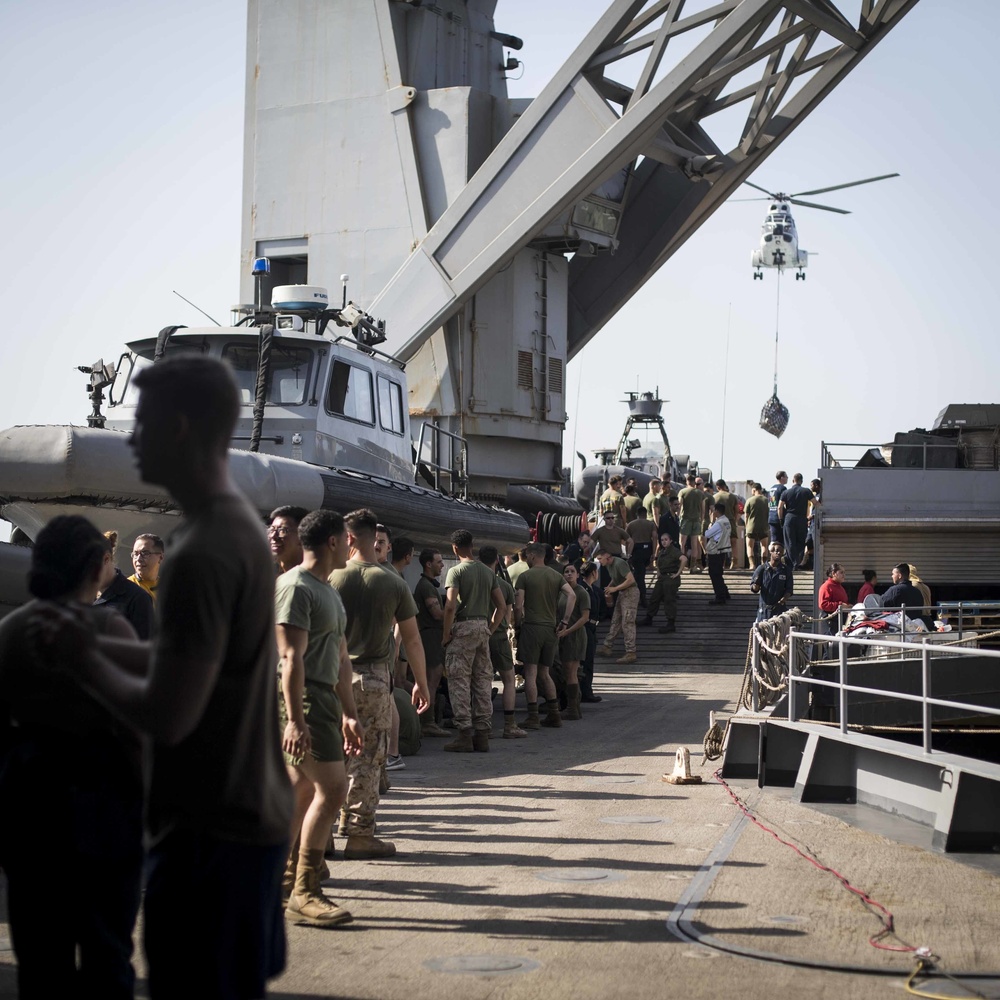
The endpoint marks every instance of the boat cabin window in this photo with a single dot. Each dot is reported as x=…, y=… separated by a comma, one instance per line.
x=289, y=372
x=390, y=405
x=350, y=393
x=143, y=359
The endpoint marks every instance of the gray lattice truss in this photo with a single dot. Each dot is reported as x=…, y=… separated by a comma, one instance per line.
x=586, y=128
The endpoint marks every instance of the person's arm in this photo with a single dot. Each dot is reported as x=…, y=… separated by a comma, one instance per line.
x=434, y=609
x=580, y=623
x=354, y=733
x=781, y=508
x=570, y=604
x=629, y=581
x=292, y=642
x=420, y=697
x=450, y=609
x=629, y=542
x=500, y=609
x=518, y=607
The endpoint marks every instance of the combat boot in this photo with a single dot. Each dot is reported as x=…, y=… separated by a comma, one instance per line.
x=531, y=720
x=605, y=650
x=627, y=658
x=481, y=741
x=288, y=879
x=361, y=847
x=572, y=703
x=462, y=743
x=646, y=622
x=669, y=627
x=307, y=905
x=512, y=731
x=554, y=719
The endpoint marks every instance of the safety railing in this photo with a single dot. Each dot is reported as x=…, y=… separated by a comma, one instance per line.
x=927, y=702
x=456, y=472
x=955, y=454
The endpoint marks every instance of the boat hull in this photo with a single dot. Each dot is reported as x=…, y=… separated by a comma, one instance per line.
x=56, y=469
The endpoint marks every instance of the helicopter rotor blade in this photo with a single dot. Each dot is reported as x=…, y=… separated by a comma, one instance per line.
x=751, y=199
x=825, y=208
x=757, y=187
x=838, y=187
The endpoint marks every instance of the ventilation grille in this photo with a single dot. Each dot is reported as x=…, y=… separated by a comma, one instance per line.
x=524, y=370
x=555, y=375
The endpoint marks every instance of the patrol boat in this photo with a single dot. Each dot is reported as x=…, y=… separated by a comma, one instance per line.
x=324, y=422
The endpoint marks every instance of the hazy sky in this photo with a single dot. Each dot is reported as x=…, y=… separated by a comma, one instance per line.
x=122, y=177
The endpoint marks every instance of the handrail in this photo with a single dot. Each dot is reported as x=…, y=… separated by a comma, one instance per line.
x=456, y=475
x=861, y=448
x=842, y=687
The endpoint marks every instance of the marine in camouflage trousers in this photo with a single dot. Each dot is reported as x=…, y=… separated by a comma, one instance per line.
x=623, y=619
x=470, y=675
x=373, y=698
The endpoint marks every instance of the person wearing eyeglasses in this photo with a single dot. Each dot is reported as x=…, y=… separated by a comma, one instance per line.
x=147, y=557
x=283, y=536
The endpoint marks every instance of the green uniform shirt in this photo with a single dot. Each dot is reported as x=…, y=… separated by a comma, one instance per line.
x=692, y=503
x=426, y=590
x=582, y=604
x=302, y=601
x=656, y=505
x=372, y=598
x=541, y=586
x=610, y=539
x=755, y=515
x=619, y=570
x=507, y=590
x=668, y=561
x=474, y=581
x=632, y=505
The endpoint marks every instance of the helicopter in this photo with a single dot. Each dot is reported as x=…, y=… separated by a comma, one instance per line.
x=779, y=241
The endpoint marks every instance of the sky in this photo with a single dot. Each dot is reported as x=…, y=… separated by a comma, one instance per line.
x=122, y=177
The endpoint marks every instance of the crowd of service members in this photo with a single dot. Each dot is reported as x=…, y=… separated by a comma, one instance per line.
x=273, y=697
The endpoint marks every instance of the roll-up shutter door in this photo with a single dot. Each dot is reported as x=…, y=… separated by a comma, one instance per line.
x=944, y=551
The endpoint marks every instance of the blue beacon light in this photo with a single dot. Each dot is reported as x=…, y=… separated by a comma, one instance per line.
x=261, y=266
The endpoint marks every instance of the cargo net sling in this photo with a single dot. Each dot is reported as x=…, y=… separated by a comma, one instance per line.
x=774, y=415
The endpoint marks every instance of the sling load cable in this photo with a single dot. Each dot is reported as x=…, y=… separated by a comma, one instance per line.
x=774, y=415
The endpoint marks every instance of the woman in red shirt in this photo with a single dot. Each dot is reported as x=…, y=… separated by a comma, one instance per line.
x=832, y=596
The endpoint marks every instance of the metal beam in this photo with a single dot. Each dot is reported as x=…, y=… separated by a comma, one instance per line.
x=572, y=138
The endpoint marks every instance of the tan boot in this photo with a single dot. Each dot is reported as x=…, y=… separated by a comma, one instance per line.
x=360, y=847
x=512, y=731
x=481, y=741
x=553, y=720
x=627, y=658
x=531, y=720
x=462, y=743
x=572, y=713
x=605, y=650
x=307, y=905
x=288, y=879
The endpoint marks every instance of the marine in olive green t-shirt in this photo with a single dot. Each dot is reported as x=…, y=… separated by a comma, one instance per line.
x=302, y=601
x=474, y=582
x=541, y=586
x=372, y=598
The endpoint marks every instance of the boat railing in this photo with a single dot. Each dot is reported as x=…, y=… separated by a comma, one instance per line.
x=841, y=686
x=944, y=453
x=448, y=461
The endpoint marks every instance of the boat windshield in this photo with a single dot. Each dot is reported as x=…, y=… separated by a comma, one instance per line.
x=289, y=371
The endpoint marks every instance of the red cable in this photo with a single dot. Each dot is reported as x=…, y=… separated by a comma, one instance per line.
x=887, y=921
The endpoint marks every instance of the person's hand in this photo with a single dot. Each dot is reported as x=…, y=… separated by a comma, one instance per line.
x=296, y=741
x=354, y=736
x=57, y=634
x=420, y=697
x=445, y=639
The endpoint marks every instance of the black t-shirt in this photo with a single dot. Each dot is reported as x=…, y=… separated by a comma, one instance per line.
x=227, y=778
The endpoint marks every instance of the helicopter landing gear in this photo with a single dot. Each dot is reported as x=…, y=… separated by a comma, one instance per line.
x=758, y=274
x=800, y=274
